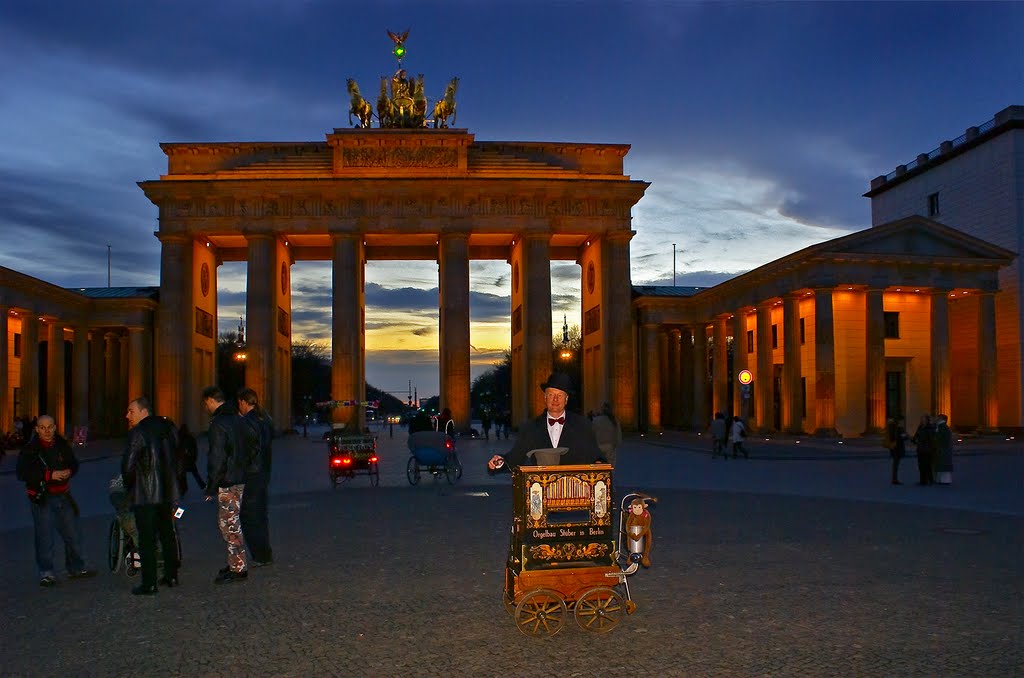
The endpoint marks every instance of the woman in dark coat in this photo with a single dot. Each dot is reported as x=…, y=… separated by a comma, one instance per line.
x=924, y=438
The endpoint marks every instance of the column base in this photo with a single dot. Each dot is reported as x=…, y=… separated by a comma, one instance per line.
x=827, y=433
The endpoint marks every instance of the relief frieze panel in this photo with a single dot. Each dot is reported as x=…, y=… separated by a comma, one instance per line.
x=400, y=157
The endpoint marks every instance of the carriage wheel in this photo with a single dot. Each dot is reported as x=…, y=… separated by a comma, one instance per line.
x=115, y=546
x=599, y=609
x=375, y=475
x=541, y=612
x=412, y=470
x=451, y=469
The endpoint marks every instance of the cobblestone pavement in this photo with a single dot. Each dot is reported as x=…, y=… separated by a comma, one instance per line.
x=793, y=563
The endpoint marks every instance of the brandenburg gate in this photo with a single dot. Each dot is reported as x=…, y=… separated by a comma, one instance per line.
x=373, y=194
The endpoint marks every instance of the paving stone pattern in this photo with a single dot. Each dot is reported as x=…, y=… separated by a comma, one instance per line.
x=406, y=581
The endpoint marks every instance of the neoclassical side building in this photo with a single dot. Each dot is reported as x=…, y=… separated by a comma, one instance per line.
x=76, y=354
x=895, y=319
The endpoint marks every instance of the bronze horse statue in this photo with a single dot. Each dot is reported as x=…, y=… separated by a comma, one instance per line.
x=445, y=108
x=385, y=109
x=360, y=107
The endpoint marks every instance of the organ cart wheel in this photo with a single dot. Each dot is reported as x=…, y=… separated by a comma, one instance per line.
x=541, y=612
x=599, y=609
x=412, y=470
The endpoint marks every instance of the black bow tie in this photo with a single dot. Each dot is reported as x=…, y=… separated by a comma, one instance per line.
x=552, y=422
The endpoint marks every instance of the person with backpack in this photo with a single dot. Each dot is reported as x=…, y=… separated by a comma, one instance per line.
x=737, y=432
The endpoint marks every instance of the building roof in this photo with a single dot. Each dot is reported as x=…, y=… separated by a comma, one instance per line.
x=118, y=292
x=665, y=291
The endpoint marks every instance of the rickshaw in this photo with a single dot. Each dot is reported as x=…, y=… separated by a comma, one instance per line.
x=432, y=452
x=349, y=454
x=565, y=555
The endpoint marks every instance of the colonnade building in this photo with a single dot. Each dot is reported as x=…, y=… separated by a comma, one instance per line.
x=919, y=313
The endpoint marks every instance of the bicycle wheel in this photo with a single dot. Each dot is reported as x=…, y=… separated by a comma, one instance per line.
x=115, y=545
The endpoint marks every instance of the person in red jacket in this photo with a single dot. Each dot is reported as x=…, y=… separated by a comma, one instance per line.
x=46, y=465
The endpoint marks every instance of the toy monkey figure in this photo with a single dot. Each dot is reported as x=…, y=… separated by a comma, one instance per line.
x=638, y=531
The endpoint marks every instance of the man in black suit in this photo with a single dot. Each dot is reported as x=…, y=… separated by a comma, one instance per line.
x=557, y=427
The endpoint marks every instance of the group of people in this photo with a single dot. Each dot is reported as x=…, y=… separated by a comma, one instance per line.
x=153, y=479
x=934, y=443
x=727, y=434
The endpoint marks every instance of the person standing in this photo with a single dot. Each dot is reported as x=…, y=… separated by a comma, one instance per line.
x=227, y=463
x=46, y=465
x=608, y=433
x=944, y=451
x=556, y=427
x=155, y=482
x=485, y=424
x=719, y=434
x=257, y=480
x=896, y=441
x=924, y=439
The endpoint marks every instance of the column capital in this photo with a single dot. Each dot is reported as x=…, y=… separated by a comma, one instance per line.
x=619, y=236
x=258, y=235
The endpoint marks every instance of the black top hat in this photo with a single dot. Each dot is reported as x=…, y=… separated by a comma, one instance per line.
x=558, y=380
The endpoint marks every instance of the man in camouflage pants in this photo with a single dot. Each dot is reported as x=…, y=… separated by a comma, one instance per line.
x=232, y=445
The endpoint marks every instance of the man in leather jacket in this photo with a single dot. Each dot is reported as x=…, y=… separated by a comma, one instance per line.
x=233, y=444
x=46, y=465
x=255, y=526
x=155, y=481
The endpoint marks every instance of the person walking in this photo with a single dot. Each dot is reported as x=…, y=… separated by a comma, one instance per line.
x=255, y=527
x=155, y=482
x=719, y=434
x=943, y=450
x=896, y=441
x=737, y=433
x=485, y=424
x=46, y=465
x=227, y=464
x=924, y=440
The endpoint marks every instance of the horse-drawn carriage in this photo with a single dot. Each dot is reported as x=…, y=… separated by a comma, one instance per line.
x=566, y=555
x=349, y=454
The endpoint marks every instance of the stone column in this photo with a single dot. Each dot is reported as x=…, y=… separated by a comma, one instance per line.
x=348, y=376
x=792, y=421
x=6, y=413
x=825, y=364
x=874, y=327
x=536, y=283
x=122, y=397
x=941, y=396
x=685, y=377
x=30, y=364
x=740, y=405
x=453, y=337
x=988, y=395
x=98, y=383
x=699, y=418
x=112, y=361
x=763, y=382
x=55, y=396
x=80, y=378
x=675, y=385
x=652, y=376
x=720, y=365
x=175, y=326
x=260, y=316
x=620, y=338
x=136, y=363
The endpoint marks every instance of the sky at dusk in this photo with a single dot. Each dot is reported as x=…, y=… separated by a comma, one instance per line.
x=759, y=126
